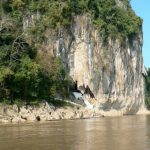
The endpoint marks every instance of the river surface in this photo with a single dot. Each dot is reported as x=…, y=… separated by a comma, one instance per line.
x=116, y=133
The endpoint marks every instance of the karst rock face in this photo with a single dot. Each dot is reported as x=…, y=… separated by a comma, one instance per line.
x=112, y=71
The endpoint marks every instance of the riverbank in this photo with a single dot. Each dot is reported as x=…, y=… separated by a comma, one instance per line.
x=49, y=112
x=44, y=112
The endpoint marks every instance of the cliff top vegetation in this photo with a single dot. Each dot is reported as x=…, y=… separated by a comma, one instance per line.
x=23, y=74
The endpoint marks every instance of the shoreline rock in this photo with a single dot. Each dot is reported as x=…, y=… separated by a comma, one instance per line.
x=43, y=112
x=46, y=112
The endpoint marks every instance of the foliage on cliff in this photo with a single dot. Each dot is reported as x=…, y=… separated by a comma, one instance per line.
x=23, y=73
x=112, y=17
x=147, y=89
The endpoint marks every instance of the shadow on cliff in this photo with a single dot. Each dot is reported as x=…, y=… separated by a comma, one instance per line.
x=129, y=109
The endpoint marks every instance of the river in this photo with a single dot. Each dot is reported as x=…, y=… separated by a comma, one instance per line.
x=112, y=133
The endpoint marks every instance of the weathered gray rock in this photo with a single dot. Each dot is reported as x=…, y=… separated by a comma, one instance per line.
x=78, y=114
x=15, y=108
x=42, y=113
x=56, y=116
x=1, y=110
x=49, y=107
x=5, y=119
x=31, y=117
x=24, y=112
x=27, y=114
x=10, y=112
x=67, y=113
x=112, y=72
x=17, y=119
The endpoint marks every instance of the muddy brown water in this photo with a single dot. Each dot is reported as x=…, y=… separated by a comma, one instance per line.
x=112, y=133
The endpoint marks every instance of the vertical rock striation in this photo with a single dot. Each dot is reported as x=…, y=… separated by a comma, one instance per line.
x=112, y=71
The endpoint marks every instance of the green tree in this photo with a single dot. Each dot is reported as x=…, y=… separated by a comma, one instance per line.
x=26, y=73
x=147, y=89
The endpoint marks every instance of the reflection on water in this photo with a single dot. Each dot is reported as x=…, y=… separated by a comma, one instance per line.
x=118, y=133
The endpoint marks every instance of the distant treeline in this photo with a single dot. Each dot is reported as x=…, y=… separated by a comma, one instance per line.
x=147, y=89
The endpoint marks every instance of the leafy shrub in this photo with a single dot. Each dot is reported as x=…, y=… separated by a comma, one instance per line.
x=147, y=89
x=23, y=72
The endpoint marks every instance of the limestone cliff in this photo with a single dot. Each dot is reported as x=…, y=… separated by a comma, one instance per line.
x=114, y=73
x=100, y=45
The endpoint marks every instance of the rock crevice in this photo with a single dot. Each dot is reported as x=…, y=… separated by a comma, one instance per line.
x=112, y=72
